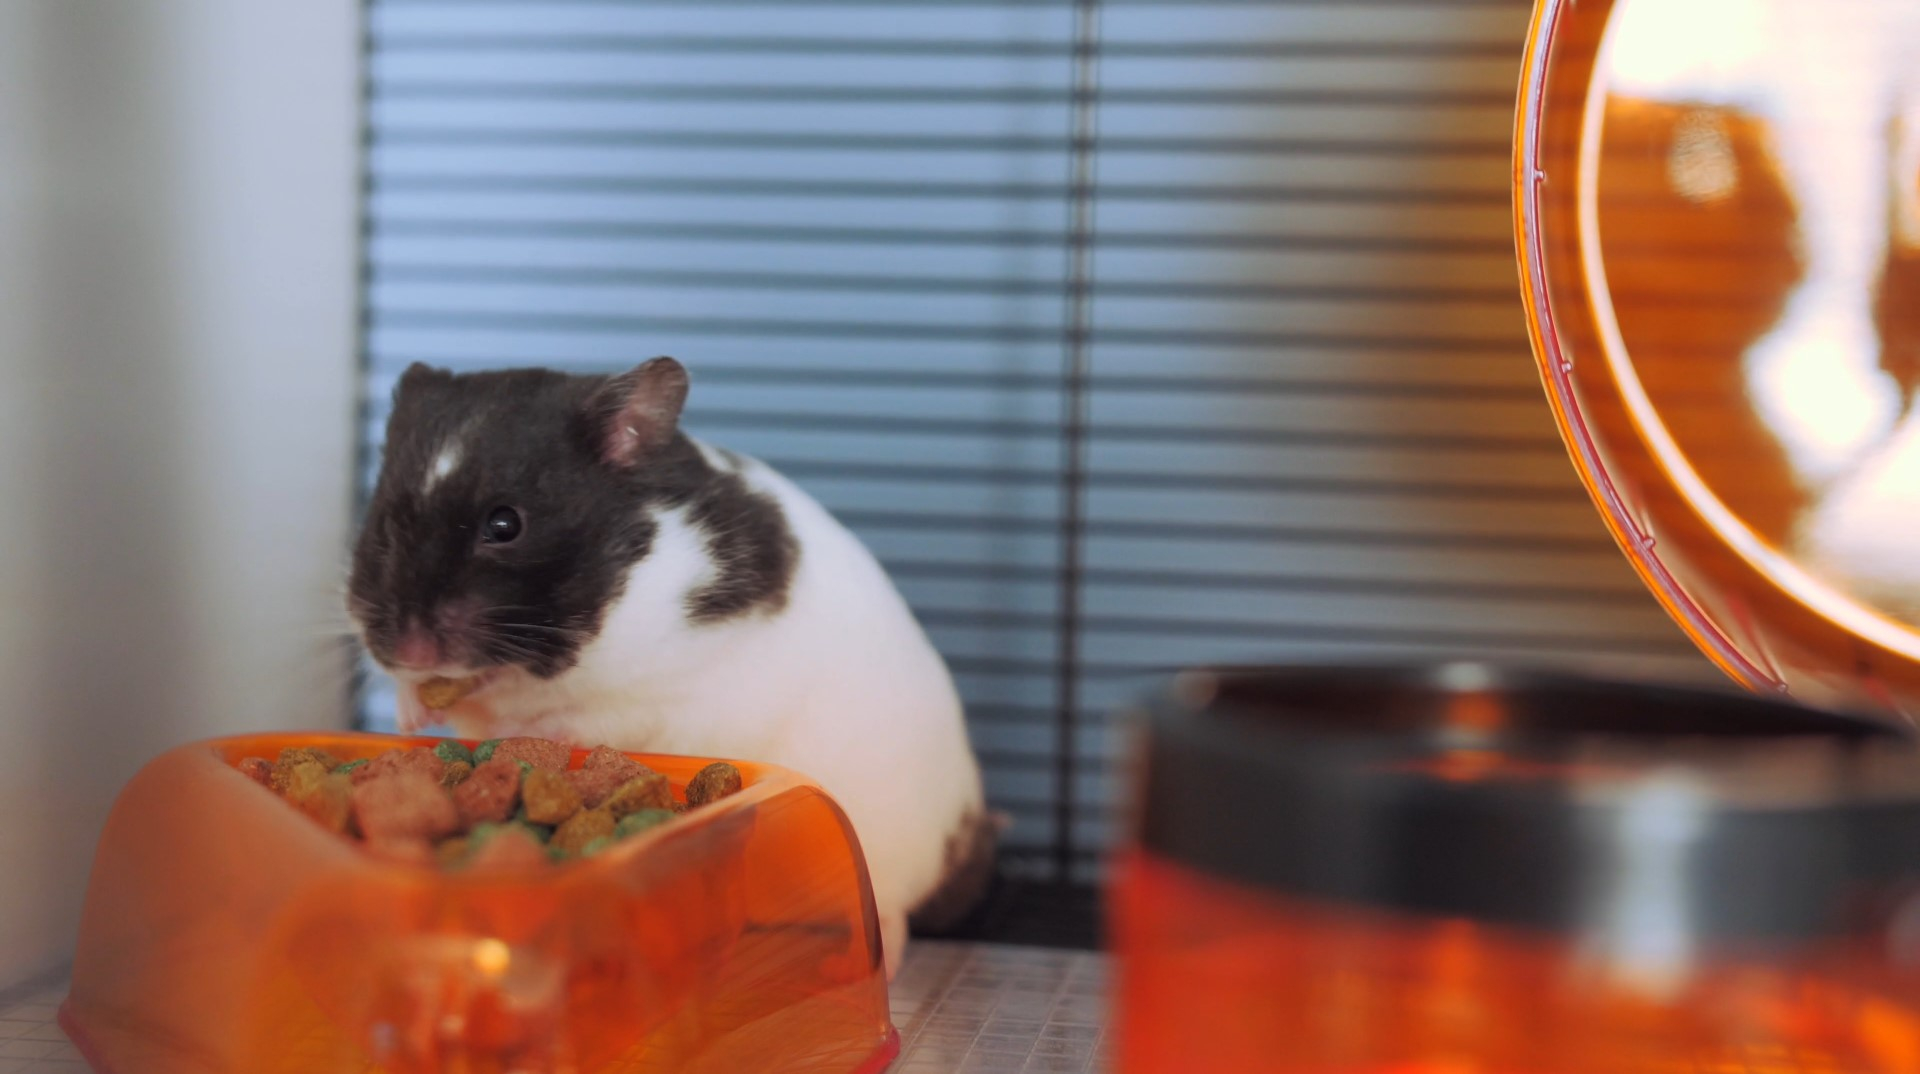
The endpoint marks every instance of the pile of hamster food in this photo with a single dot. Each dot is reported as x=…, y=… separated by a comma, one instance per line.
x=505, y=803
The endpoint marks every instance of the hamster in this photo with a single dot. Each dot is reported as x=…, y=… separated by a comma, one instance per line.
x=608, y=578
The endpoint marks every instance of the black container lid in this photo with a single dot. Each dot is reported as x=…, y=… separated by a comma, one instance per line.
x=1528, y=799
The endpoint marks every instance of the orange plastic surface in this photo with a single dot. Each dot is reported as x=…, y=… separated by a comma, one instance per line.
x=1216, y=978
x=1669, y=259
x=226, y=932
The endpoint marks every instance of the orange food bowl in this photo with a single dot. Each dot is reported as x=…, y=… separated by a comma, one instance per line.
x=224, y=931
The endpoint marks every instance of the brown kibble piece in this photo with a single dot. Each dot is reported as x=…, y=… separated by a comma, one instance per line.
x=603, y=772
x=510, y=849
x=282, y=775
x=490, y=794
x=456, y=774
x=646, y=792
x=296, y=754
x=422, y=760
x=549, y=796
x=404, y=805
x=582, y=828
x=538, y=752
x=608, y=757
x=712, y=783
x=410, y=851
x=257, y=769
x=438, y=693
x=322, y=795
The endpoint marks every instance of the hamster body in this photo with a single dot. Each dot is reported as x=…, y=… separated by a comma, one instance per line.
x=656, y=593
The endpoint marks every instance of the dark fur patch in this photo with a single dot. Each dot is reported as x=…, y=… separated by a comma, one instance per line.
x=531, y=439
x=753, y=550
x=969, y=872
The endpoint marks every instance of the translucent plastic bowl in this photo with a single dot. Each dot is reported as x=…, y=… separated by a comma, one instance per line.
x=1678, y=322
x=224, y=931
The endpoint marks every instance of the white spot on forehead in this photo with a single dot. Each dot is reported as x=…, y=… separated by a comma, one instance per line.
x=443, y=464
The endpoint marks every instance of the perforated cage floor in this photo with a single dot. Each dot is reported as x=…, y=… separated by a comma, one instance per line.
x=961, y=1008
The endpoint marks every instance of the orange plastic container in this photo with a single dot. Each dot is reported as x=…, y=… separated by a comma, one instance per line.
x=1457, y=870
x=225, y=932
x=1718, y=393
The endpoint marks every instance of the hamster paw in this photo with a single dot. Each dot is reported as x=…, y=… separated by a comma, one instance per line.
x=893, y=942
x=411, y=715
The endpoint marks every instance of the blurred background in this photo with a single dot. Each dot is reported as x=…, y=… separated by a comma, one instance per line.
x=1129, y=334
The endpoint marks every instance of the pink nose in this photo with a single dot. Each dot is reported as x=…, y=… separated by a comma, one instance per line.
x=417, y=649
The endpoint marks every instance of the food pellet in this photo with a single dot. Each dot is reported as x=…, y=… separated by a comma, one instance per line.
x=456, y=774
x=291, y=759
x=282, y=776
x=604, y=772
x=580, y=829
x=713, y=783
x=490, y=794
x=542, y=832
x=538, y=752
x=650, y=791
x=513, y=848
x=548, y=797
x=325, y=796
x=439, y=693
x=422, y=761
x=505, y=804
x=295, y=754
x=404, y=805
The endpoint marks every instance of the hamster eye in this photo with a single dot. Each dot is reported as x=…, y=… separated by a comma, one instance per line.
x=503, y=525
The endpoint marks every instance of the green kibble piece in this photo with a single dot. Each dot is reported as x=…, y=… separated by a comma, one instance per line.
x=484, y=751
x=525, y=767
x=450, y=751
x=635, y=823
x=350, y=766
x=484, y=831
x=596, y=846
x=557, y=853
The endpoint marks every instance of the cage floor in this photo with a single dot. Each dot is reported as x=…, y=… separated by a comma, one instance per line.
x=971, y=1008
x=961, y=1008
x=29, y=1038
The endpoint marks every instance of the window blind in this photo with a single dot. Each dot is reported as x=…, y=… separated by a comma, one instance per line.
x=1130, y=335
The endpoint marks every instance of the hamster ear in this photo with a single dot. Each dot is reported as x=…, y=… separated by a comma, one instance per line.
x=637, y=412
x=418, y=375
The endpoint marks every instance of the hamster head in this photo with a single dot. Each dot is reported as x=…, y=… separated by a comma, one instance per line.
x=507, y=514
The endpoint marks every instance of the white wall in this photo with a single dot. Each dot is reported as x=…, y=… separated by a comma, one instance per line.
x=177, y=264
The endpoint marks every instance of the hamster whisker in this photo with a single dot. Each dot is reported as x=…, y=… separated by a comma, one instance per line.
x=565, y=632
x=503, y=649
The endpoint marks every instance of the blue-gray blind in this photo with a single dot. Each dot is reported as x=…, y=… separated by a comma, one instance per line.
x=1128, y=334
